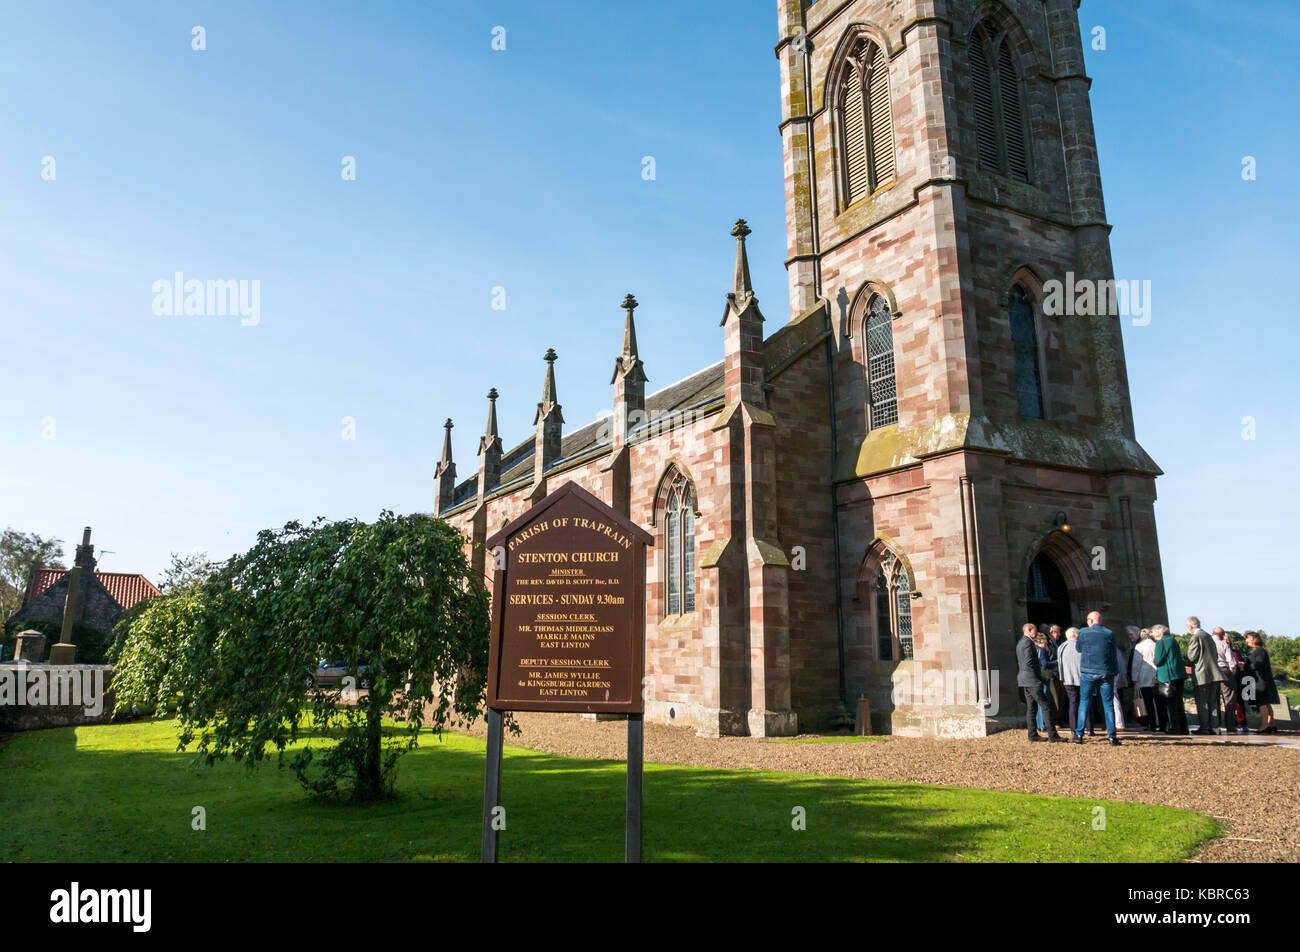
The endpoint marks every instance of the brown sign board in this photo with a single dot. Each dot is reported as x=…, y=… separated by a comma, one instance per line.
x=568, y=608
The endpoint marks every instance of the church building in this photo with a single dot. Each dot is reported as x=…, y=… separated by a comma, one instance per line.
x=864, y=499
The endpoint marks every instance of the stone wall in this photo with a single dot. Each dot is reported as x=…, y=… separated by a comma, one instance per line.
x=16, y=714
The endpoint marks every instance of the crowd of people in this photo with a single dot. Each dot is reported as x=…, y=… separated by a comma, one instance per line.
x=1074, y=678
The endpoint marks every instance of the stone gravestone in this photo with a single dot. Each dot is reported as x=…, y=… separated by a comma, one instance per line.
x=30, y=646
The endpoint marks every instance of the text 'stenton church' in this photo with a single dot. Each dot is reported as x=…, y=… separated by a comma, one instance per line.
x=866, y=500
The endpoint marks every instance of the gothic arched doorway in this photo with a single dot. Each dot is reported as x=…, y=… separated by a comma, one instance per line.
x=1047, y=595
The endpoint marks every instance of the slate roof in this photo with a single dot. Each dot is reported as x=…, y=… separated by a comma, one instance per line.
x=699, y=388
x=126, y=588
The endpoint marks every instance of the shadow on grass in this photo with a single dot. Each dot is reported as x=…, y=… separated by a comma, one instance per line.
x=121, y=792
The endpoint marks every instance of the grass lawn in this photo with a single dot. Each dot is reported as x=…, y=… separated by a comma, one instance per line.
x=121, y=792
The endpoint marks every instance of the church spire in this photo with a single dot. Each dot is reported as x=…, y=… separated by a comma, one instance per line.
x=549, y=406
x=491, y=432
x=549, y=423
x=743, y=359
x=741, y=285
x=548, y=389
x=446, y=445
x=489, y=451
x=628, y=380
x=629, y=361
x=629, y=329
x=445, y=473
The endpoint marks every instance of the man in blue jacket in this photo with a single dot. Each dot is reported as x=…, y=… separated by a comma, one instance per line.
x=1097, y=670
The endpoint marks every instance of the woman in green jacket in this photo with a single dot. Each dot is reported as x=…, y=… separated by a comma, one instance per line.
x=1169, y=677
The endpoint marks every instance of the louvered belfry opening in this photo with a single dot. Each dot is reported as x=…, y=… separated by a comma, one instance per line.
x=1002, y=141
x=866, y=122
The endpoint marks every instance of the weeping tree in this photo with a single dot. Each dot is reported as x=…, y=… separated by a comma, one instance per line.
x=395, y=600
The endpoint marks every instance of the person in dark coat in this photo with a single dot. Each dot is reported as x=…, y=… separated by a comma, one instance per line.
x=1029, y=675
x=1056, y=688
x=1170, y=675
x=1047, y=662
x=1265, y=688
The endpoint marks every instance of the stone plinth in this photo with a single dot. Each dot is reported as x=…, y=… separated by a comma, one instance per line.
x=63, y=654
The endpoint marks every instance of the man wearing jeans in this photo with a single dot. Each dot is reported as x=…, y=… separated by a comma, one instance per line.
x=1097, y=670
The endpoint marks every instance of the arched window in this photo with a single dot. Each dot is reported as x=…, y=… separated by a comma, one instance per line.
x=903, y=618
x=884, y=620
x=679, y=540
x=893, y=595
x=866, y=126
x=1000, y=133
x=1024, y=340
x=882, y=387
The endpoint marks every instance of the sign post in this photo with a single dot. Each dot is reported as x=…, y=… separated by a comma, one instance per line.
x=492, y=787
x=632, y=838
x=568, y=631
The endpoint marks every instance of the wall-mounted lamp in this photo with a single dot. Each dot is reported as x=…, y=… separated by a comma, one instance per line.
x=1062, y=522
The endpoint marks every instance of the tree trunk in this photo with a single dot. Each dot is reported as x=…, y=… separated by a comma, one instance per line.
x=369, y=782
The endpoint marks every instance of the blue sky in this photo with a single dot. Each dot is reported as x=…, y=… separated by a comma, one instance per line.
x=521, y=169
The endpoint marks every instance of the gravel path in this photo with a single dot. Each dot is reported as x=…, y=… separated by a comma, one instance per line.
x=1252, y=789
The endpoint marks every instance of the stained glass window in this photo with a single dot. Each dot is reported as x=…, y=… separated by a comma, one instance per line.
x=880, y=363
x=679, y=539
x=1024, y=341
x=674, y=562
x=884, y=627
x=893, y=596
x=903, y=594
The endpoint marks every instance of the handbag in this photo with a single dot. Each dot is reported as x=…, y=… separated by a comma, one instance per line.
x=1165, y=688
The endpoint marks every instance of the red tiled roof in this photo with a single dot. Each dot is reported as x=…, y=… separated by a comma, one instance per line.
x=126, y=588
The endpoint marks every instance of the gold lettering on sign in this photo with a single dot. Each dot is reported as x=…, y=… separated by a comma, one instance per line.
x=568, y=609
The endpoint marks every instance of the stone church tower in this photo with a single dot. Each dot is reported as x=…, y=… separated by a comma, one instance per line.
x=941, y=168
x=864, y=502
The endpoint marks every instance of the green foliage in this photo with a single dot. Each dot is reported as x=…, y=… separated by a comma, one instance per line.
x=122, y=630
x=20, y=553
x=396, y=595
x=186, y=573
x=1283, y=652
x=148, y=645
